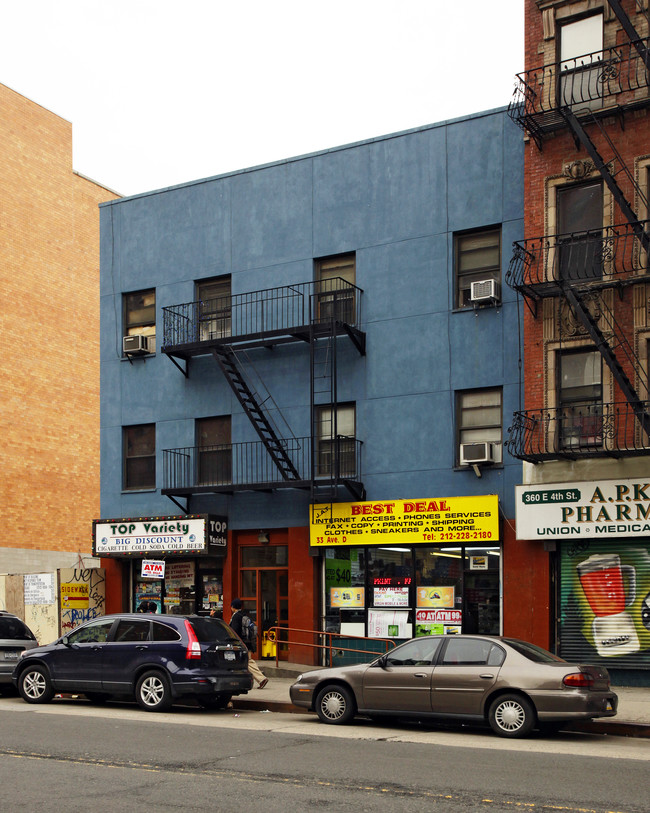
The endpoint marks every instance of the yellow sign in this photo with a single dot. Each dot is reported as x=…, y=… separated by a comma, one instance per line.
x=435, y=597
x=347, y=596
x=74, y=596
x=474, y=520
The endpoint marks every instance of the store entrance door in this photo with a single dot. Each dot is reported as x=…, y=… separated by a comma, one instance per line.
x=265, y=592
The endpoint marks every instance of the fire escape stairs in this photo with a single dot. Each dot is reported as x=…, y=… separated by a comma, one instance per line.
x=608, y=353
x=630, y=30
x=232, y=369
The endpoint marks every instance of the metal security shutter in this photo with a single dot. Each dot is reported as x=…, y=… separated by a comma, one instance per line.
x=605, y=602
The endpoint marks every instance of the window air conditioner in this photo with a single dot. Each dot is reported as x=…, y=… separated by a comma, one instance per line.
x=473, y=453
x=135, y=345
x=485, y=290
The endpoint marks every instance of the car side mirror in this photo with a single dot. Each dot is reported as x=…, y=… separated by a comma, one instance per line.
x=381, y=662
x=64, y=640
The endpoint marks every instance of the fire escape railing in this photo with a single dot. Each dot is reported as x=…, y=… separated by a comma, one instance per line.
x=607, y=257
x=607, y=80
x=587, y=430
x=286, y=311
x=248, y=466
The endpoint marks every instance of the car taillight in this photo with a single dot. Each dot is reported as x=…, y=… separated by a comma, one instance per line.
x=193, y=645
x=578, y=680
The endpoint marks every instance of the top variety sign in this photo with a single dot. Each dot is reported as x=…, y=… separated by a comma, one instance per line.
x=585, y=510
x=453, y=519
x=197, y=534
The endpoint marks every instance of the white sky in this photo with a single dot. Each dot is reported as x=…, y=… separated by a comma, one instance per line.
x=160, y=92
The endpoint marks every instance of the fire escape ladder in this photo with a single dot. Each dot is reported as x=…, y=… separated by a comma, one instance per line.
x=607, y=351
x=253, y=406
x=604, y=169
x=630, y=30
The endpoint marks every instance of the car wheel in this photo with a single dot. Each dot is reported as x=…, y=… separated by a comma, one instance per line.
x=96, y=697
x=511, y=715
x=34, y=685
x=213, y=701
x=335, y=705
x=153, y=692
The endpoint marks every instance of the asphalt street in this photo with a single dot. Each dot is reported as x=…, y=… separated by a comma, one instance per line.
x=72, y=756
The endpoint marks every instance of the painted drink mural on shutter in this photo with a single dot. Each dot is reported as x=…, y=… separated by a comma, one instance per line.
x=605, y=602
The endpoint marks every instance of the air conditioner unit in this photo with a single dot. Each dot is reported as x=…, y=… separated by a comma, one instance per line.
x=135, y=345
x=473, y=453
x=485, y=290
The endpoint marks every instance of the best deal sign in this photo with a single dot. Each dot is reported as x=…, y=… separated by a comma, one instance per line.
x=153, y=569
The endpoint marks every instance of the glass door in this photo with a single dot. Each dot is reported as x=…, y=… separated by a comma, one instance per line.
x=264, y=579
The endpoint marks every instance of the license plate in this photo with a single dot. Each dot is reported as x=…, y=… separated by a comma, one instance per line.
x=11, y=656
x=229, y=656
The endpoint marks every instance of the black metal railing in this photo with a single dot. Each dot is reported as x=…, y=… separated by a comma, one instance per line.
x=272, y=311
x=612, y=77
x=239, y=466
x=586, y=430
x=610, y=255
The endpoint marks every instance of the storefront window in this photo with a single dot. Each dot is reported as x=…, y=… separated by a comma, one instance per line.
x=401, y=592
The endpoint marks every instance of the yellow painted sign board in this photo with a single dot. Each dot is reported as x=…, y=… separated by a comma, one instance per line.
x=469, y=520
x=74, y=596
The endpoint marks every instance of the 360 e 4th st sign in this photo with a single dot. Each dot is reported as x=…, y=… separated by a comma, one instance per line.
x=586, y=509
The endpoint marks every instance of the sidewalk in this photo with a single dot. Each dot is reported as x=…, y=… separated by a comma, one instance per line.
x=632, y=720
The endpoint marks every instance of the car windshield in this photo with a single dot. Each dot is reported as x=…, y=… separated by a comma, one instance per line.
x=533, y=652
x=13, y=629
x=212, y=630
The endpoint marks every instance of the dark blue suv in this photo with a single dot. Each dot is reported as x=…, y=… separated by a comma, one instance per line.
x=155, y=658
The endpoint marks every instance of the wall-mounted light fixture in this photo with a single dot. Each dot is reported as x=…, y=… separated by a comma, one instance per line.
x=263, y=538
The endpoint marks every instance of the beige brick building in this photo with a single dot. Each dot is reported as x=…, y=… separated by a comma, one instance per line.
x=49, y=323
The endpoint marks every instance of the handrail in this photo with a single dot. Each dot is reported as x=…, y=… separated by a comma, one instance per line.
x=326, y=646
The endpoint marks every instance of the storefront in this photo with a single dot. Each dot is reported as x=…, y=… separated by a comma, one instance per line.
x=599, y=533
x=169, y=564
x=402, y=568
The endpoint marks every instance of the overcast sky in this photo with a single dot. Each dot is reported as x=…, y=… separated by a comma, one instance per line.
x=160, y=92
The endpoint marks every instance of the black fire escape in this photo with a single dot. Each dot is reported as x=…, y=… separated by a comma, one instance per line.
x=589, y=97
x=230, y=330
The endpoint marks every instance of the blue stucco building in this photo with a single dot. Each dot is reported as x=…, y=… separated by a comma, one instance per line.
x=330, y=329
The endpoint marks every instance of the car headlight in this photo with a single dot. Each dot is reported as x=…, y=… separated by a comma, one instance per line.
x=299, y=678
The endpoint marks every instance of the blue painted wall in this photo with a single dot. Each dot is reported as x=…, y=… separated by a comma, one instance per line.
x=396, y=202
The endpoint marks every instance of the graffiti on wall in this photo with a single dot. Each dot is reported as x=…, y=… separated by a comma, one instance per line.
x=83, y=596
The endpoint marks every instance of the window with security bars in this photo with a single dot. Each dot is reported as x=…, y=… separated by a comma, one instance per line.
x=580, y=399
x=480, y=420
x=139, y=449
x=214, y=308
x=214, y=450
x=477, y=259
x=335, y=441
x=139, y=315
x=580, y=231
x=581, y=62
x=335, y=277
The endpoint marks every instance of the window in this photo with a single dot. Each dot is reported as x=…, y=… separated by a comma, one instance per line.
x=477, y=258
x=335, y=438
x=580, y=394
x=214, y=308
x=139, y=445
x=581, y=45
x=214, y=450
x=140, y=316
x=421, y=652
x=336, y=289
x=132, y=631
x=480, y=419
x=580, y=227
x=472, y=652
x=93, y=633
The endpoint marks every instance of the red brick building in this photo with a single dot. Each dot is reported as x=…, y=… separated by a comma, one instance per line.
x=583, y=511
